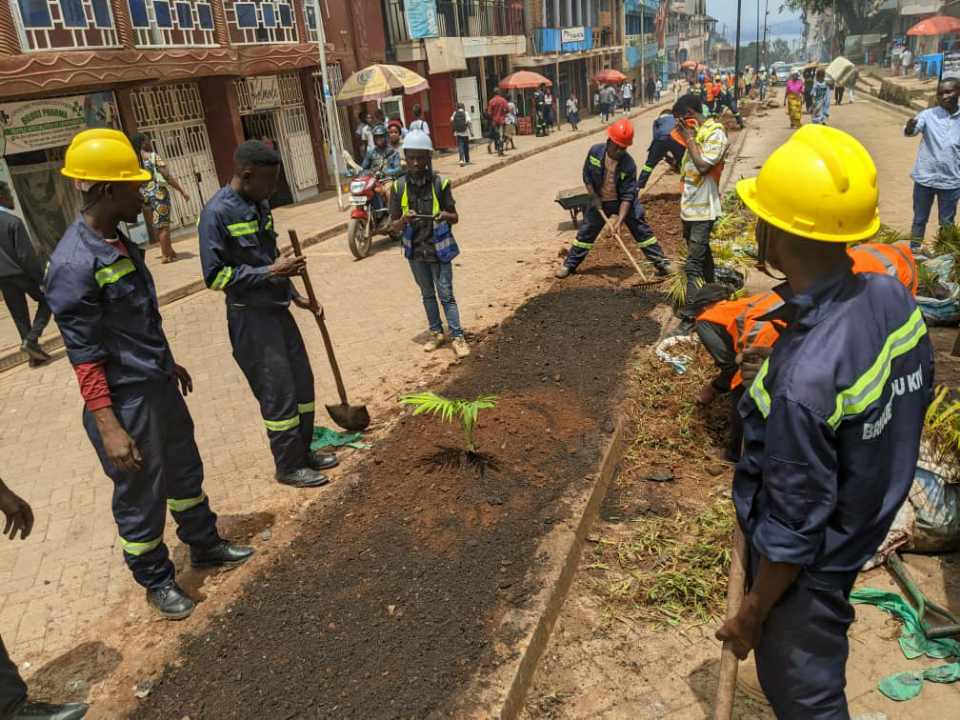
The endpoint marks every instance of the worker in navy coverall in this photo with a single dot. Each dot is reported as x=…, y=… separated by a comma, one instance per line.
x=238, y=252
x=832, y=421
x=105, y=304
x=610, y=176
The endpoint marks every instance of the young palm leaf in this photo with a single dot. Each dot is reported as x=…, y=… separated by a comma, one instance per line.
x=468, y=411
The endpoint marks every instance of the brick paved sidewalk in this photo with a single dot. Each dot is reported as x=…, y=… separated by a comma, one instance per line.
x=319, y=217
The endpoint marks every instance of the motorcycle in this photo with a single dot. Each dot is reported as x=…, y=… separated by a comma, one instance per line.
x=370, y=215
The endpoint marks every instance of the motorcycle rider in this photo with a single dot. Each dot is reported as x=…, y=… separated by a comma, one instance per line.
x=383, y=160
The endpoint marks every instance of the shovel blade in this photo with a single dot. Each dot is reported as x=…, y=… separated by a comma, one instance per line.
x=350, y=417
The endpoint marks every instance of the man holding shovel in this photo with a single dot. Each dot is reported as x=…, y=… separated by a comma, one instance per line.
x=239, y=255
x=832, y=420
x=610, y=176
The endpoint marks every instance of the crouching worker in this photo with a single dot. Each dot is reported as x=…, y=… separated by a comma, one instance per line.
x=423, y=210
x=105, y=304
x=739, y=334
x=832, y=421
x=610, y=176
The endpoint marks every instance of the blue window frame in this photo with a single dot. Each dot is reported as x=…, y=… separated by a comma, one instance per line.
x=35, y=14
x=286, y=16
x=269, y=14
x=246, y=14
x=205, y=14
x=73, y=14
x=161, y=8
x=138, y=13
x=101, y=14
x=184, y=16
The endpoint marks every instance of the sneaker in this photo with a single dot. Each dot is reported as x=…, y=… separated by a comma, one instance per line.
x=563, y=272
x=460, y=347
x=435, y=341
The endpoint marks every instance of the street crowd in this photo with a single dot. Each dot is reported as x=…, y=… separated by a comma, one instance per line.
x=829, y=373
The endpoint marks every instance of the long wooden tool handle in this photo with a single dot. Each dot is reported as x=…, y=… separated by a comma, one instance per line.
x=636, y=265
x=723, y=707
x=318, y=314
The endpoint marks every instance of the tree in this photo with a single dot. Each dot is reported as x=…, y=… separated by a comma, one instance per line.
x=857, y=14
x=779, y=51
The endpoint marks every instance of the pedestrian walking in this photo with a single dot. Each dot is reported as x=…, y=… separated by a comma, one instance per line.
x=239, y=257
x=573, y=112
x=833, y=416
x=418, y=123
x=14, y=702
x=540, y=110
x=762, y=80
x=157, y=193
x=700, y=205
x=628, y=95
x=424, y=211
x=793, y=99
x=497, y=109
x=906, y=61
x=649, y=90
x=105, y=304
x=510, y=125
x=548, y=117
x=821, y=99
x=610, y=176
x=808, y=80
x=838, y=90
x=463, y=131
x=936, y=173
x=607, y=100
x=658, y=89
x=21, y=274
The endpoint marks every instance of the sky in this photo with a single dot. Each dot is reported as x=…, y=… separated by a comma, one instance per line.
x=786, y=24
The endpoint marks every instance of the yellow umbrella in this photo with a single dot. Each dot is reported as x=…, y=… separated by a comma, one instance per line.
x=380, y=81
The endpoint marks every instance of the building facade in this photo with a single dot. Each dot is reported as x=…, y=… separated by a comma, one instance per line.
x=198, y=76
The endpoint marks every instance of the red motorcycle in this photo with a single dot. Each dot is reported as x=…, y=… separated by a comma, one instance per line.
x=370, y=215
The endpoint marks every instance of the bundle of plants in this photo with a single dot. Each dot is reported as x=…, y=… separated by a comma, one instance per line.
x=941, y=433
x=929, y=284
x=450, y=410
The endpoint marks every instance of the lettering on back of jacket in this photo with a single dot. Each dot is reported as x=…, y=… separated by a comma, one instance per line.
x=899, y=386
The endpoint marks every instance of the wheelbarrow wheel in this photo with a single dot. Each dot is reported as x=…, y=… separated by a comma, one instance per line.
x=359, y=237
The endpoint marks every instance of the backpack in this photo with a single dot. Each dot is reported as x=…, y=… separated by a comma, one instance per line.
x=460, y=121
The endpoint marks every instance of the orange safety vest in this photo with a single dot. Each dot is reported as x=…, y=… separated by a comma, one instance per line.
x=739, y=317
x=893, y=259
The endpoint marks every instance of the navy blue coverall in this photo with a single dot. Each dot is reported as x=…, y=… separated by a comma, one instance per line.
x=832, y=428
x=593, y=222
x=237, y=247
x=105, y=305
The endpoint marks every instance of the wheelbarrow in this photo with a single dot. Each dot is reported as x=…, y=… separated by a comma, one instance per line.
x=576, y=201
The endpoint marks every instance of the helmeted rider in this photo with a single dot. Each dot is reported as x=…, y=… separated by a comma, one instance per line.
x=383, y=158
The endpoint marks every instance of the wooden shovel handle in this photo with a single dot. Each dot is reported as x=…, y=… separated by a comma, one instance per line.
x=723, y=707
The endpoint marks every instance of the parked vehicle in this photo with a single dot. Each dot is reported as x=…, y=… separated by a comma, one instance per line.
x=370, y=215
x=779, y=73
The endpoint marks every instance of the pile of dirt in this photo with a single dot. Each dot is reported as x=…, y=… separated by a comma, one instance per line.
x=385, y=606
x=663, y=214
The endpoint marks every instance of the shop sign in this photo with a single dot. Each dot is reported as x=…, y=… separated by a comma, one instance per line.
x=52, y=122
x=264, y=92
x=572, y=35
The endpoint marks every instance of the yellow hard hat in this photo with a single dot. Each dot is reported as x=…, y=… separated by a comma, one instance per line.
x=103, y=155
x=821, y=184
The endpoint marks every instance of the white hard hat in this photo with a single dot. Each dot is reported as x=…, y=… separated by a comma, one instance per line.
x=417, y=140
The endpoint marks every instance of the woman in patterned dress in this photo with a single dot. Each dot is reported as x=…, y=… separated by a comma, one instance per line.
x=156, y=193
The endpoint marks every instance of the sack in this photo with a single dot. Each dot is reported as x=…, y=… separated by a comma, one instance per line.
x=460, y=121
x=444, y=242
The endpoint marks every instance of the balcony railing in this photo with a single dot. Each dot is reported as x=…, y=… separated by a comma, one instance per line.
x=462, y=18
x=257, y=21
x=64, y=24
x=172, y=23
x=546, y=41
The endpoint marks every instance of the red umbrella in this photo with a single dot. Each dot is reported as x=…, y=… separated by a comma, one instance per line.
x=936, y=25
x=524, y=80
x=689, y=65
x=610, y=77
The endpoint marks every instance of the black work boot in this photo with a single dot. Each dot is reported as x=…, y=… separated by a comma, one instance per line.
x=34, y=351
x=563, y=272
x=171, y=602
x=49, y=711
x=223, y=554
x=302, y=478
x=321, y=461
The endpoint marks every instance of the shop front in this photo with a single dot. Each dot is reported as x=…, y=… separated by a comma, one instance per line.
x=34, y=139
x=272, y=110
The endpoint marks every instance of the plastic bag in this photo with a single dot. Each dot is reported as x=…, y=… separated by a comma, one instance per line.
x=941, y=311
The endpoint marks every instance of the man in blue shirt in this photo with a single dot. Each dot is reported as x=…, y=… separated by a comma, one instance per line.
x=832, y=420
x=937, y=170
x=239, y=256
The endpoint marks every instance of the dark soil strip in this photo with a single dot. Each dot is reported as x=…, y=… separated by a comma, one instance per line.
x=385, y=606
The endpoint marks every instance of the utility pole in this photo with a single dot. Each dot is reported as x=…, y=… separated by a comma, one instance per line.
x=736, y=58
x=766, y=16
x=333, y=121
x=756, y=39
x=643, y=80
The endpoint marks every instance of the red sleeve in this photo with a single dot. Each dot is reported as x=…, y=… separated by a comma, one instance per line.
x=93, y=385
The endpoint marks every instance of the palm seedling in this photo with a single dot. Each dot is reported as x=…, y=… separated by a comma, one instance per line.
x=448, y=410
x=941, y=432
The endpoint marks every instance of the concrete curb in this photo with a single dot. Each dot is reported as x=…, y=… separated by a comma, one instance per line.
x=13, y=358
x=502, y=694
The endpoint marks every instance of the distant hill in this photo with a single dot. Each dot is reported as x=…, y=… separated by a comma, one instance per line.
x=783, y=28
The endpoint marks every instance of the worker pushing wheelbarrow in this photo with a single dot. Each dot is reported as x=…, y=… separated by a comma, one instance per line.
x=610, y=176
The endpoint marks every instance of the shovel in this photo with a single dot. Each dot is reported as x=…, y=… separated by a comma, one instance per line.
x=350, y=417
